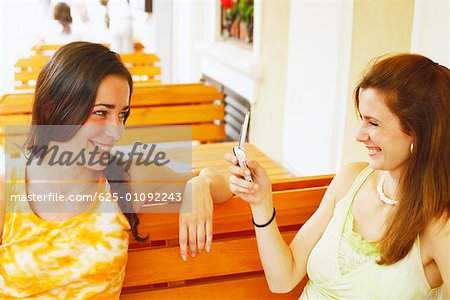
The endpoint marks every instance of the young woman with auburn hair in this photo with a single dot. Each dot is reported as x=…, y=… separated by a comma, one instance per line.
x=78, y=250
x=382, y=230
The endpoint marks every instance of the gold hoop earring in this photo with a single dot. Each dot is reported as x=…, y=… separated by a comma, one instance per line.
x=411, y=148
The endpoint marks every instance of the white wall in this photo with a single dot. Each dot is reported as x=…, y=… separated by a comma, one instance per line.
x=379, y=27
x=316, y=85
x=192, y=25
x=266, y=126
x=431, y=30
x=162, y=10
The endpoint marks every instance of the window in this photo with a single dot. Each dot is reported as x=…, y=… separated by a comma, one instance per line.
x=237, y=20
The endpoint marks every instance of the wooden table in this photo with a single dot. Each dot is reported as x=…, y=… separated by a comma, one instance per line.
x=212, y=156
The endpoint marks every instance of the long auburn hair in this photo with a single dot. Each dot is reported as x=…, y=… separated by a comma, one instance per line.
x=417, y=91
x=65, y=95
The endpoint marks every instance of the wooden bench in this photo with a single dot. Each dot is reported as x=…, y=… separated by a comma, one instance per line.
x=144, y=68
x=232, y=269
x=195, y=105
x=26, y=71
x=49, y=49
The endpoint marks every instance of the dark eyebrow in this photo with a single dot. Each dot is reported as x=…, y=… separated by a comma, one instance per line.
x=112, y=106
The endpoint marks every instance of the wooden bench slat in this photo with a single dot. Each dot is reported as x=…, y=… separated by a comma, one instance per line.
x=16, y=103
x=26, y=76
x=37, y=62
x=175, y=94
x=250, y=287
x=200, y=132
x=306, y=182
x=21, y=119
x=181, y=114
x=293, y=207
x=139, y=58
x=25, y=87
x=144, y=95
x=208, y=132
x=139, y=64
x=146, y=83
x=227, y=256
x=145, y=70
x=46, y=47
x=53, y=47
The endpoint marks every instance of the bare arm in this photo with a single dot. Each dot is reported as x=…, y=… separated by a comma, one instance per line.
x=285, y=265
x=195, y=225
x=293, y=258
x=218, y=185
x=156, y=179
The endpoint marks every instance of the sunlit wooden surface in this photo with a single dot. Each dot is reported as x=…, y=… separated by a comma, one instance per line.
x=212, y=156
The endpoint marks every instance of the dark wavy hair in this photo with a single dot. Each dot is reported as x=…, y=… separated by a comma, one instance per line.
x=417, y=91
x=65, y=95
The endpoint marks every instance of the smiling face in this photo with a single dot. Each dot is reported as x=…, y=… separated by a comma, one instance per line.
x=380, y=131
x=105, y=125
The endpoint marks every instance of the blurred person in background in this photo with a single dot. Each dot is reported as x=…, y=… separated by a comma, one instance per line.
x=119, y=21
x=60, y=30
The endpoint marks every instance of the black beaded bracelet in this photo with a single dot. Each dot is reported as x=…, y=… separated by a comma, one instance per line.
x=268, y=223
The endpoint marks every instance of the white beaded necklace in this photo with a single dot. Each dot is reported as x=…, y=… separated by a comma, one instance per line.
x=380, y=190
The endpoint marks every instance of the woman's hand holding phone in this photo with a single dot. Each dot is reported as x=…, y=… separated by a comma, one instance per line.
x=257, y=192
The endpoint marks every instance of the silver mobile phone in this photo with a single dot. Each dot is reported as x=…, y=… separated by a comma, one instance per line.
x=239, y=151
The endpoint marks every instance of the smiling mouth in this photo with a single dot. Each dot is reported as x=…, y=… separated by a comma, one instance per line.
x=102, y=147
x=373, y=150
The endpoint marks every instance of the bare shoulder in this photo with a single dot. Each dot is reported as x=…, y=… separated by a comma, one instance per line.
x=339, y=187
x=438, y=230
x=345, y=178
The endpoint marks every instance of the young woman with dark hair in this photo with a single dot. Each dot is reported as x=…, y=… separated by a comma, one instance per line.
x=382, y=230
x=78, y=250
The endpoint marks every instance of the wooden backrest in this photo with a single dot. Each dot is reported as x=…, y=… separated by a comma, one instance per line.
x=155, y=269
x=49, y=49
x=144, y=68
x=26, y=71
x=185, y=104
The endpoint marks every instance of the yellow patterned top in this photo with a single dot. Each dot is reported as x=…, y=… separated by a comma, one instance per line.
x=83, y=257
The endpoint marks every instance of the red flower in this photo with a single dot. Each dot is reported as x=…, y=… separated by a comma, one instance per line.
x=227, y=4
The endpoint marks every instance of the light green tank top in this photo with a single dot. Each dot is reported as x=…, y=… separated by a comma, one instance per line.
x=403, y=280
